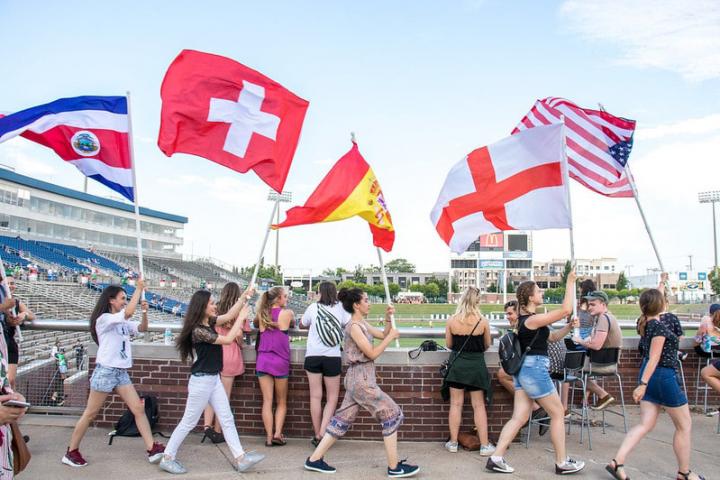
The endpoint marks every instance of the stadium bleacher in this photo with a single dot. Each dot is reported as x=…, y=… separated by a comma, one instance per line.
x=88, y=257
x=41, y=253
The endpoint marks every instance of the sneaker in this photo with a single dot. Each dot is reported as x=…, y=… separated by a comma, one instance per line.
x=319, y=466
x=403, y=470
x=172, y=466
x=604, y=402
x=248, y=461
x=155, y=454
x=73, y=458
x=569, y=466
x=500, y=466
x=451, y=447
x=487, y=450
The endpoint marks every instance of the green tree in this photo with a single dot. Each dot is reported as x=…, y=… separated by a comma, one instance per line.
x=263, y=272
x=622, y=282
x=510, y=287
x=359, y=274
x=432, y=290
x=566, y=272
x=399, y=265
x=714, y=278
x=394, y=289
x=492, y=288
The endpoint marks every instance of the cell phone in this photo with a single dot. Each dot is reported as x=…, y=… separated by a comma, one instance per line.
x=16, y=403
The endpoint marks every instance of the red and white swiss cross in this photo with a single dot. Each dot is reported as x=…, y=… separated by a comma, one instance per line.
x=514, y=184
x=219, y=109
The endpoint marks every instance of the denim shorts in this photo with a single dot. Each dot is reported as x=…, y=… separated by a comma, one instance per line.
x=664, y=388
x=106, y=379
x=534, y=377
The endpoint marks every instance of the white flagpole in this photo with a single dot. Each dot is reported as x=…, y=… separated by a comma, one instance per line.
x=387, y=291
x=135, y=194
x=631, y=180
x=566, y=169
x=276, y=206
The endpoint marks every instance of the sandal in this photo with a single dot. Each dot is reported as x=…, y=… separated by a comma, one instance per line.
x=278, y=441
x=614, y=471
x=315, y=441
x=686, y=476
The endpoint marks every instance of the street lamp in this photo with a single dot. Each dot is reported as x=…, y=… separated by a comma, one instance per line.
x=273, y=196
x=712, y=197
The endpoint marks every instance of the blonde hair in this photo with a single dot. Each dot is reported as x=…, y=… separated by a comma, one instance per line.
x=264, y=305
x=469, y=305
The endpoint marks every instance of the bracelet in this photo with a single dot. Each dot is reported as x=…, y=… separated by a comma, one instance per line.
x=642, y=384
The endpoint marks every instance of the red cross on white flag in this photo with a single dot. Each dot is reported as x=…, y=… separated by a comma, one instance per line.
x=514, y=184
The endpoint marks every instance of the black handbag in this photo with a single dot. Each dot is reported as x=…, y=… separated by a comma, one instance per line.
x=447, y=364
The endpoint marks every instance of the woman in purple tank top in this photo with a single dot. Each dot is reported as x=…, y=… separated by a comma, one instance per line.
x=273, y=360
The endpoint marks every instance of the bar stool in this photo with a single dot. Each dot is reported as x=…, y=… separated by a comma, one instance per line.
x=602, y=358
x=704, y=359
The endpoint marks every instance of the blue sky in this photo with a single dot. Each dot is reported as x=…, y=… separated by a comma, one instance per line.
x=422, y=84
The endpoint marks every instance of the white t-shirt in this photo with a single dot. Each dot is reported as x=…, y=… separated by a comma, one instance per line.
x=315, y=347
x=113, y=333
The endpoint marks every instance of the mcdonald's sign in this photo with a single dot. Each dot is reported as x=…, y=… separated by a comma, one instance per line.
x=492, y=240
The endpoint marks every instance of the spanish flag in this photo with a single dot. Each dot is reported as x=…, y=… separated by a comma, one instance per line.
x=349, y=189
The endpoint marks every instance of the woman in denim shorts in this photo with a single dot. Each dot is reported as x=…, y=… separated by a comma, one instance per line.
x=111, y=329
x=533, y=382
x=658, y=388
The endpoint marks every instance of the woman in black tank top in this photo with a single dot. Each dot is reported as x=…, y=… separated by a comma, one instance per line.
x=533, y=380
x=467, y=334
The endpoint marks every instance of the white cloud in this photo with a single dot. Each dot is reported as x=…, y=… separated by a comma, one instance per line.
x=19, y=154
x=691, y=126
x=680, y=36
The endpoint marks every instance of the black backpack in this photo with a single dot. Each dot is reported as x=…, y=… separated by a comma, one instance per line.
x=510, y=351
x=125, y=426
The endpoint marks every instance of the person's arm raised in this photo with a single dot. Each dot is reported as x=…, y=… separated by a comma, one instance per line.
x=132, y=304
x=544, y=319
x=143, y=327
x=376, y=332
x=234, y=311
x=236, y=328
x=370, y=351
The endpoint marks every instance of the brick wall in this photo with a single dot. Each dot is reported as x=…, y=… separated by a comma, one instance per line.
x=414, y=384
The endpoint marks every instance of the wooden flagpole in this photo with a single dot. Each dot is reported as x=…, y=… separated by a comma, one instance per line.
x=138, y=231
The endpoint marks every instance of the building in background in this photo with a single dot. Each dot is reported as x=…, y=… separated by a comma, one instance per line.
x=603, y=271
x=685, y=287
x=37, y=210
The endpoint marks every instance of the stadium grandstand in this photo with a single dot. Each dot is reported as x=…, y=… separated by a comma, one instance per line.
x=64, y=246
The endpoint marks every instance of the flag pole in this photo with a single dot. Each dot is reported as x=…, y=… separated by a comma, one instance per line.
x=276, y=205
x=631, y=180
x=138, y=233
x=387, y=291
x=566, y=174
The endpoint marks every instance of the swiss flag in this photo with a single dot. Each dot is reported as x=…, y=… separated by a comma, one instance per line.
x=219, y=109
x=517, y=183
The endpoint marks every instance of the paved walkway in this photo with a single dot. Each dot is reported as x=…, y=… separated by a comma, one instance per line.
x=360, y=460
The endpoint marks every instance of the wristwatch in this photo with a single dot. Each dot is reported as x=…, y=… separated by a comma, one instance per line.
x=642, y=383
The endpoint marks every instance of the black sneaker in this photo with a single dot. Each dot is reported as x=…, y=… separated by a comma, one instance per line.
x=319, y=466
x=569, y=466
x=500, y=466
x=403, y=470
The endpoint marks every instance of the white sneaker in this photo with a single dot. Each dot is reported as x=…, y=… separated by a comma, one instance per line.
x=500, y=466
x=487, y=450
x=451, y=447
x=569, y=466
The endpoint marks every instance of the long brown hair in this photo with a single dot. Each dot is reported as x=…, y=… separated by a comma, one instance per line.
x=523, y=293
x=716, y=319
x=265, y=303
x=228, y=296
x=652, y=303
x=103, y=306
x=193, y=317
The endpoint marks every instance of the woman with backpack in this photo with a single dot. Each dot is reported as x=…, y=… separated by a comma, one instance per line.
x=467, y=334
x=273, y=360
x=658, y=389
x=326, y=321
x=532, y=381
x=233, y=364
x=111, y=328
x=361, y=388
x=200, y=342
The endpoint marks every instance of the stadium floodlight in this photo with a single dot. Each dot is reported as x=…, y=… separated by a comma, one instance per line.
x=274, y=196
x=712, y=197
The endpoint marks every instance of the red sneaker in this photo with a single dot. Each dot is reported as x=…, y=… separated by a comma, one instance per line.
x=155, y=454
x=73, y=458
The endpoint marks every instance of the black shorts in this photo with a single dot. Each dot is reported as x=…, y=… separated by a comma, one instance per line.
x=13, y=351
x=462, y=386
x=328, y=366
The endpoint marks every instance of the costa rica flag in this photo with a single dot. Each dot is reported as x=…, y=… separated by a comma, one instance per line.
x=90, y=132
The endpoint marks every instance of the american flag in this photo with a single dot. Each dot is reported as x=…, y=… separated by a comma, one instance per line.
x=598, y=144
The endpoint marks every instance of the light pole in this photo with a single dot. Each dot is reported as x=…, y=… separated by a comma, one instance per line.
x=712, y=197
x=273, y=196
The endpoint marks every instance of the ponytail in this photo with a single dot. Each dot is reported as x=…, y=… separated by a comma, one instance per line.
x=264, y=304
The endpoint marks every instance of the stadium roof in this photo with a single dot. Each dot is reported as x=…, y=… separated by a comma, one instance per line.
x=86, y=197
